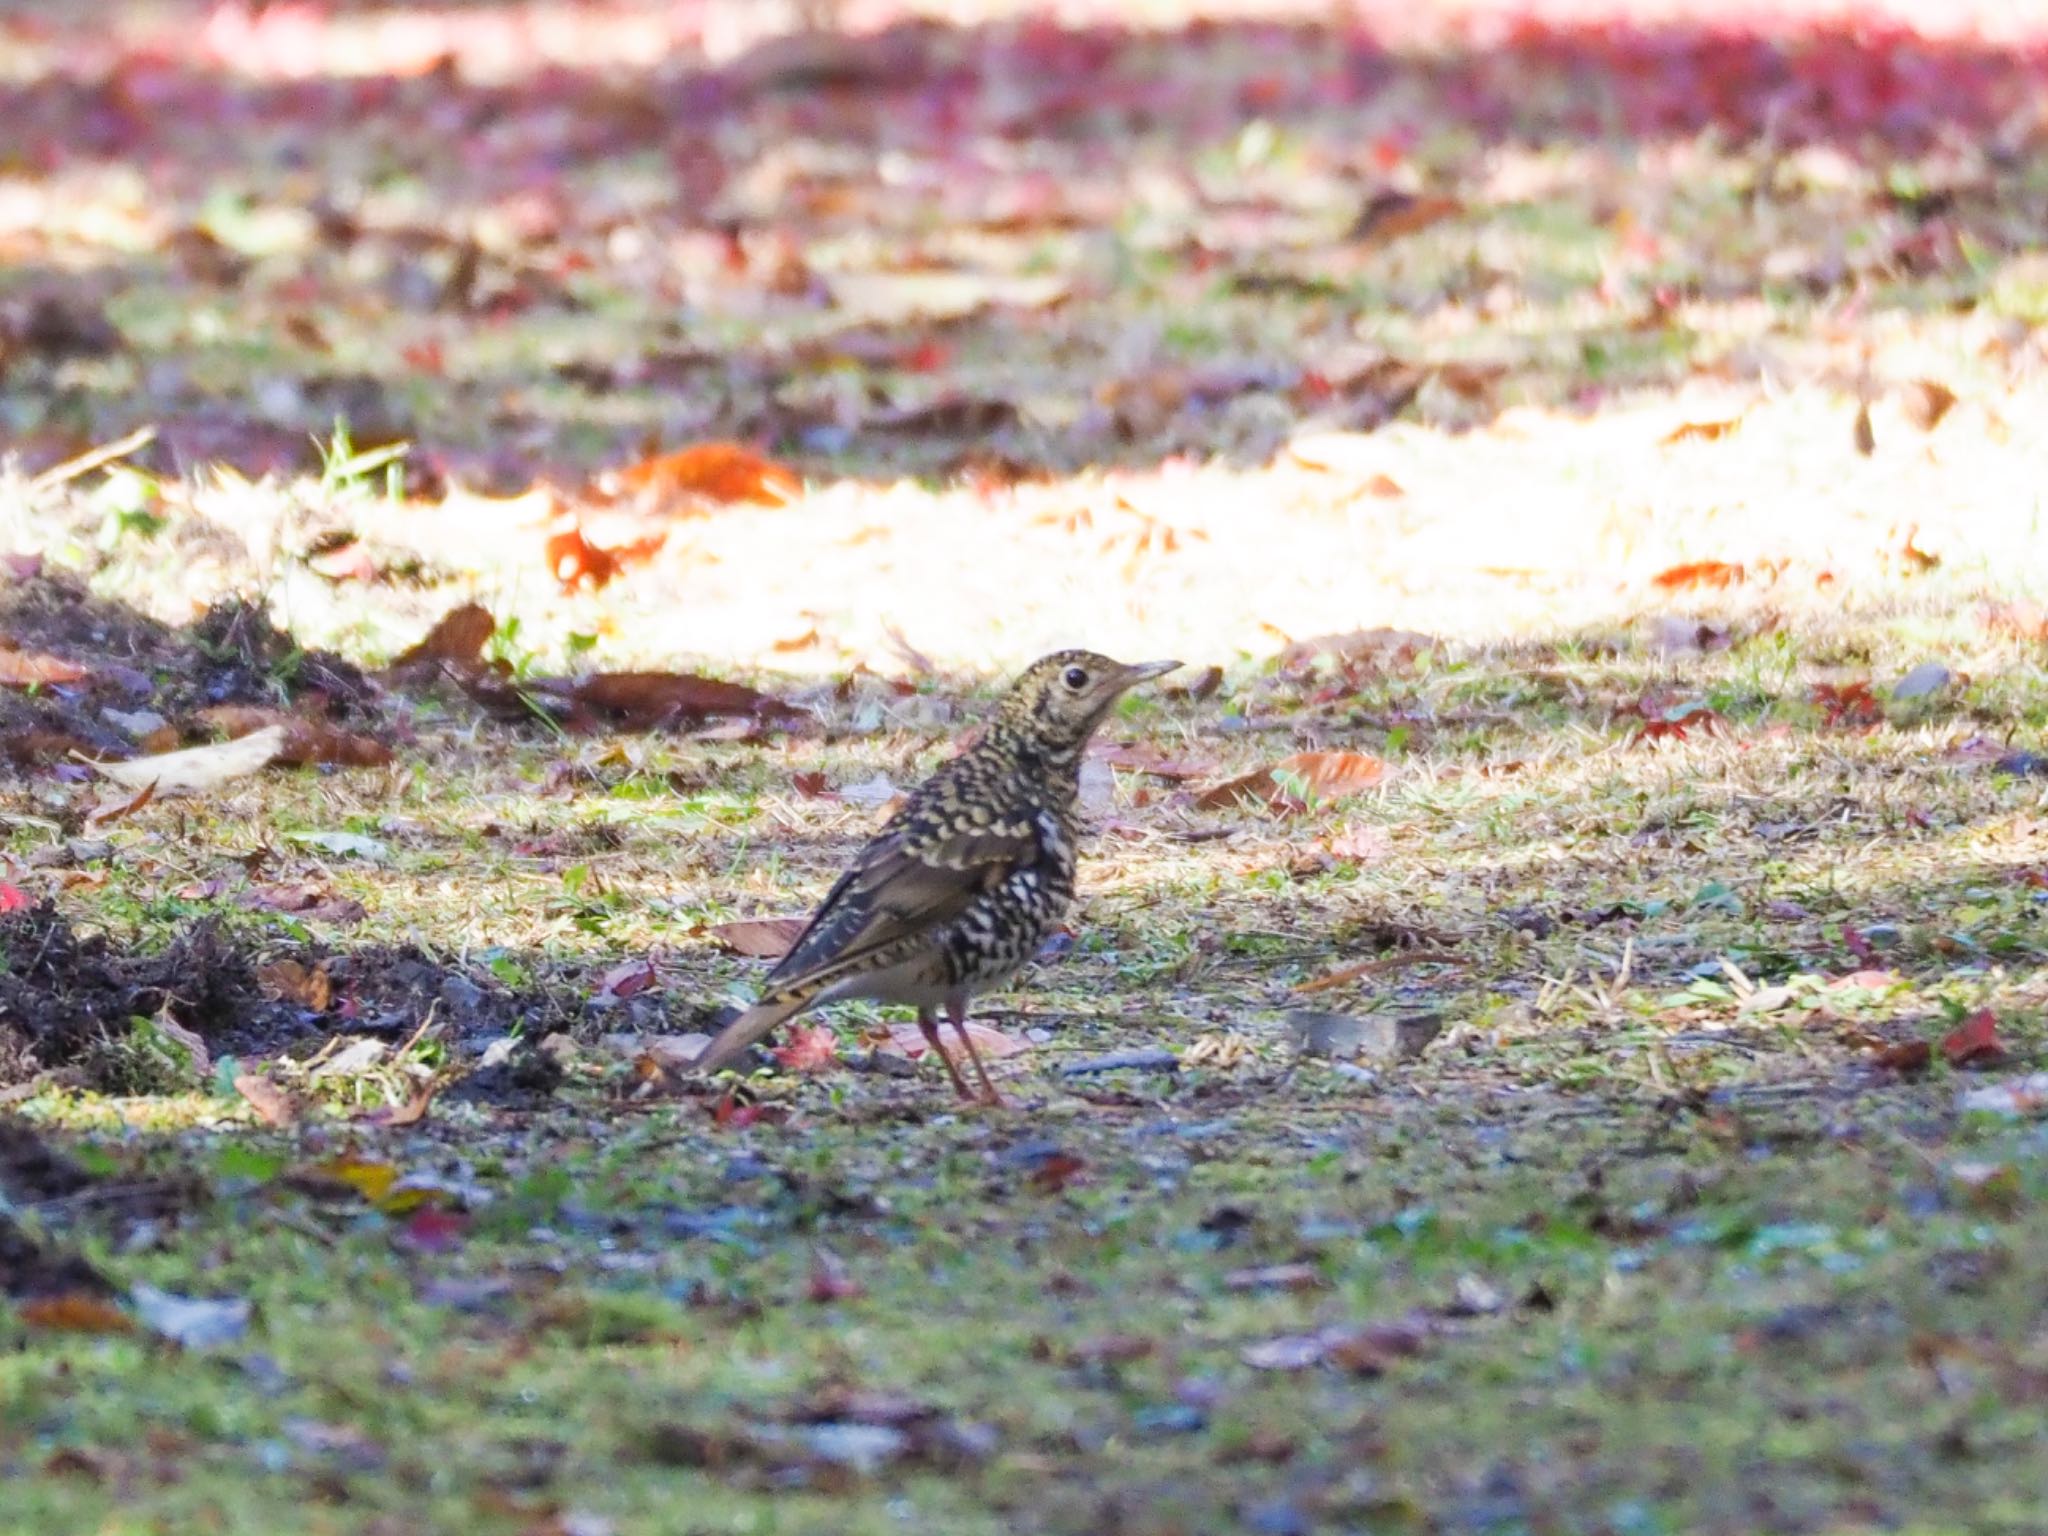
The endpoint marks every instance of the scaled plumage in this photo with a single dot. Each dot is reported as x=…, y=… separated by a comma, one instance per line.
x=956, y=892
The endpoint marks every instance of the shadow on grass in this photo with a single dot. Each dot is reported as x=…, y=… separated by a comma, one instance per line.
x=676, y=251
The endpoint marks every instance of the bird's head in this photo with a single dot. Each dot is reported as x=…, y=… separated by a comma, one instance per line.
x=1060, y=699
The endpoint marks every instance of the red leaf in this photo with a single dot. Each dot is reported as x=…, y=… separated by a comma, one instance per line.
x=830, y=1282
x=1974, y=1042
x=810, y=1048
x=629, y=978
x=13, y=898
x=1857, y=945
x=732, y=1115
x=1056, y=1172
x=433, y=1229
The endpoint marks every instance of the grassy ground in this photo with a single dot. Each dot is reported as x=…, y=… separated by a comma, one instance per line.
x=343, y=1186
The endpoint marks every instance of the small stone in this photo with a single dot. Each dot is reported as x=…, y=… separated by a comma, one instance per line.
x=1927, y=678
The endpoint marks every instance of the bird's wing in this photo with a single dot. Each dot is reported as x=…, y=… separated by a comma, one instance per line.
x=911, y=879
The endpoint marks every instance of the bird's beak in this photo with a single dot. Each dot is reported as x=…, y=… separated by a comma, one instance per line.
x=1145, y=671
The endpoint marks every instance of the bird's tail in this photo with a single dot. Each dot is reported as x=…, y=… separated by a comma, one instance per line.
x=726, y=1046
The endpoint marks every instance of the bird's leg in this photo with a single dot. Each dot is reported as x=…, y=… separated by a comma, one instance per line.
x=956, y=1012
x=930, y=1027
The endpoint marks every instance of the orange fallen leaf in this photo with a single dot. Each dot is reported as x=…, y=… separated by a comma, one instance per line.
x=292, y=982
x=693, y=480
x=75, y=1312
x=35, y=669
x=1906, y=1056
x=272, y=1105
x=1700, y=431
x=1295, y=782
x=1699, y=573
x=759, y=938
x=576, y=563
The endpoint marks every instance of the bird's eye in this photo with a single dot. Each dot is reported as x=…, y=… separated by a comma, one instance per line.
x=1075, y=678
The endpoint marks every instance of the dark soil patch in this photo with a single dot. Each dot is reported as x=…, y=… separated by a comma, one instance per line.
x=69, y=1000
x=232, y=655
x=29, y=1270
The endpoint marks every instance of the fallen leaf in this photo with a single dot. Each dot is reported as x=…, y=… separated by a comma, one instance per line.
x=692, y=481
x=759, y=938
x=731, y=1114
x=1053, y=1173
x=1974, y=1042
x=809, y=1048
x=294, y=982
x=1847, y=703
x=272, y=1105
x=1294, y=783
x=1699, y=573
x=644, y=701
x=1383, y=648
x=196, y=770
x=629, y=978
x=1678, y=724
x=306, y=742
x=374, y=1181
x=830, y=1281
x=74, y=1312
x=34, y=669
x=1202, y=685
x=1925, y=402
x=107, y=812
x=1392, y=215
x=577, y=564
x=432, y=1229
x=1700, y=431
x=191, y=1322
x=1906, y=1057
x=1864, y=439
x=13, y=898
x=458, y=640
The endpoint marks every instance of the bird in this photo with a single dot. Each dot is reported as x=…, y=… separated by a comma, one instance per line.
x=961, y=885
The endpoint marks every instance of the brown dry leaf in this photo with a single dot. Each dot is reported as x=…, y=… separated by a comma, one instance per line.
x=1201, y=685
x=107, y=812
x=1325, y=776
x=196, y=770
x=1700, y=431
x=305, y=742
x=412, y=1111
x=1865, y=439
x=692, y=481
x=642, y=701
x=458, y=640
x=75, y=1312
x=759, y=938
x=35, y=669
x=1389, y=216
x=272, y=1105
x=1924, y=403
x=293, y=982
